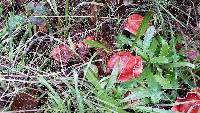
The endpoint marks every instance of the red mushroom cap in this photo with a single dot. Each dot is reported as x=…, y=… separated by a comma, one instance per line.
x=194, y=106
x=62, y=53
x=89, y=38
x=133, y=23
x=129, y=66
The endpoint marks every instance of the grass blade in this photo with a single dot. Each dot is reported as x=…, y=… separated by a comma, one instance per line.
x=53, y=5
x=101, y=94
x=56, y=98
x=78, y=95
x=113, y=76
x=142, y=27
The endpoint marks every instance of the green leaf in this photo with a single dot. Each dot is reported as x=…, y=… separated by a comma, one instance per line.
x=101, y=94
x=156, y=96
x=151, y=81
x=180, y=64
x=14, y=21
x=113, y=76
x=38, y=9
x=95, y=44
x=197, y=59
x=165, y=48
x=173, y=80
x=148, y=37
x=53, y=93
x=128, y=84
x=139, y=93
x=151, y=110
x=153, y=86
x=90, y=75
x=142, y=27
x=122, y=40
x=153, y=48
x=163, y=60
x=78, y=95
x=29, y=6
x=163, y=81
x=1, y=10
x=141, y=53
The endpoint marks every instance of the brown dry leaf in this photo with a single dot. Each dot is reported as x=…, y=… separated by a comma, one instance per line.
x=24, y=101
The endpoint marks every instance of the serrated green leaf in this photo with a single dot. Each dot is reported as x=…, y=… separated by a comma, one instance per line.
x=148, y=37
x=128, y=84
x=173, y=80
x=40, y=9
x=156, y=96
x=151, y=81
x=14, y=21
x=180, y=64
x=141, y=53
x=163, y=60
x=163, y=81
x=139, y=93
x=122, y=39
x=164, y=49
x=153, y=48
x=153, y=86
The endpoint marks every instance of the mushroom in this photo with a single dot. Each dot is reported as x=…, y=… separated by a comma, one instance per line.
x=129, y=66
x=190, y=102
x=133, y=23
x=62, y=53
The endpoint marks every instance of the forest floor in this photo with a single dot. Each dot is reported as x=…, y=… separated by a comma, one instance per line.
x=99, y=56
